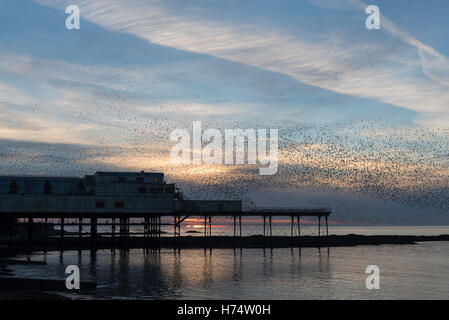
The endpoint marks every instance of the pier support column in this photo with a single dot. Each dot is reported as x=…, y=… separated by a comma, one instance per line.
x=124, y=228
x=148, y=232
x=80, y=227
x=61, y=234
x=240, y=225
x=113, y=229
x=271, y=232
x=158, y=233
x=176, y=231
x=291, y=227
x=264, y=226
x=146, y=227
x=319, y=225
x=210, y=226
x=123, y=233
x=152, y=227
x=327, y=227
x=264, y=232
x=177, y=227
x=93, y=229
x=127, y=227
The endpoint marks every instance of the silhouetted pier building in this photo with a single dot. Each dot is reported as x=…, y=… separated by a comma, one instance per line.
x=118, y=200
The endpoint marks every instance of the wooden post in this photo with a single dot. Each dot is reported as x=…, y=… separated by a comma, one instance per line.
x=145, y=227
x=327, y=227
x=174, y=226
x=299, y=225
x=319, y=225
x=240, y=225
x=80, y=227
x=127, y=228
x=62, y=229
x=113, y=229
x=291, y=231
x=264, y=226
x=271, y=233
x=210, y=226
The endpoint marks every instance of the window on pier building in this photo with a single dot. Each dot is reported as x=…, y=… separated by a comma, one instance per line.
x=47, y=187
x=169, y=190
x=142, y=190
x=119, y=205
x=151, y=190
x=139, y=179
x=122, y=179
x=99, y=204
x=157, y=180
x=13, y=187
x=159, y=190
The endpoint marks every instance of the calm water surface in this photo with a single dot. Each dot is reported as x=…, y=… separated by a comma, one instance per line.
x=407, y=272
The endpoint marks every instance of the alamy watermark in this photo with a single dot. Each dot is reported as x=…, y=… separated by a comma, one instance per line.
x=373, y=20
x=73, y=280
x=373, y=280
x=239, y=145
x=73, y=20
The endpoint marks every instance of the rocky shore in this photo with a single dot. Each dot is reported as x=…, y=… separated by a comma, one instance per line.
x=73, y=243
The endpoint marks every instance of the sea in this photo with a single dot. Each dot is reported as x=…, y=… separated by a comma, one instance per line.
x=418, y=271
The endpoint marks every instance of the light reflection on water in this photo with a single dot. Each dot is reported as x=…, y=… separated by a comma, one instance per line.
x=407, y=272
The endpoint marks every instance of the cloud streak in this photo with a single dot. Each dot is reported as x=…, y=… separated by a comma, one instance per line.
x=333, y=62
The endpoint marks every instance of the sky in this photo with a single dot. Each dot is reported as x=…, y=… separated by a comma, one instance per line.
x=363, y=115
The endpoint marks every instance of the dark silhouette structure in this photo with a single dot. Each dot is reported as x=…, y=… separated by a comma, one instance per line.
x=114, y=201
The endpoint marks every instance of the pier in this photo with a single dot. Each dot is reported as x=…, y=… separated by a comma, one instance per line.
x=119, y=209
x=114, y=229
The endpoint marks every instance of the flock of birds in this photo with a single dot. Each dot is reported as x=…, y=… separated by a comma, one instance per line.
x=375, y=158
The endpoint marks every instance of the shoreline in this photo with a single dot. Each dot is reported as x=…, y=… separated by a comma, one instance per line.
x=219, y=242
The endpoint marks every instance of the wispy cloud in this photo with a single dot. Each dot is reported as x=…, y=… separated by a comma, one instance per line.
x=330, y=61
